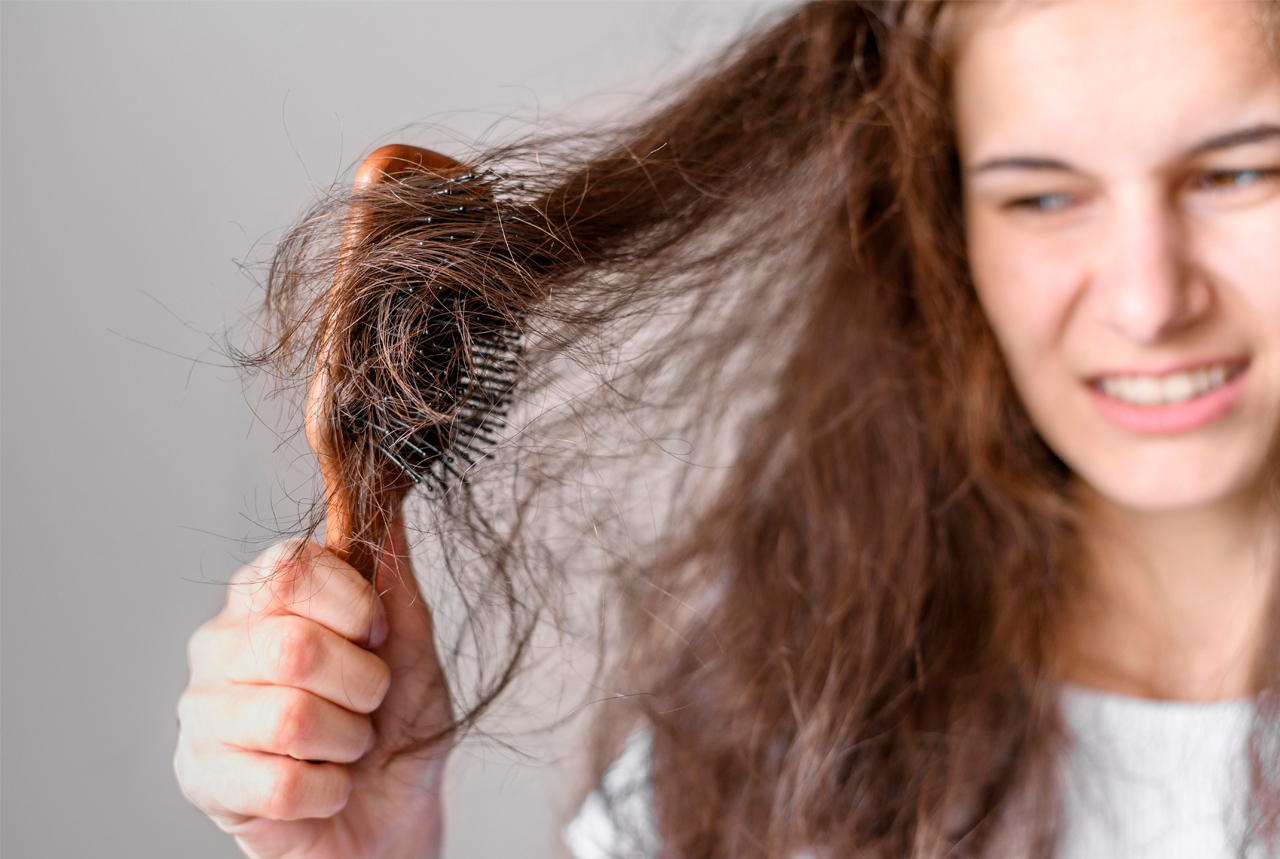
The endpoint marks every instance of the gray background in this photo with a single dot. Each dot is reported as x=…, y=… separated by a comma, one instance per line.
x=146, y=148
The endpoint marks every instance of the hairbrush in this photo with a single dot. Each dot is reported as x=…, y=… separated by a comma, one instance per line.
x=416, y=362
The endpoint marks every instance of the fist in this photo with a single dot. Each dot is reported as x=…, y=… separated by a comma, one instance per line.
x=301, y=689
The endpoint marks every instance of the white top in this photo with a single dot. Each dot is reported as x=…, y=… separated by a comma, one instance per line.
x=1144, y=779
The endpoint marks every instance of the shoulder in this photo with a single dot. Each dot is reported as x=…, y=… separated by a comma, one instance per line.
x=616, y=819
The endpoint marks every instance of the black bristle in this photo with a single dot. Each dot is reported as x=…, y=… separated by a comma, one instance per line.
x=463, y=355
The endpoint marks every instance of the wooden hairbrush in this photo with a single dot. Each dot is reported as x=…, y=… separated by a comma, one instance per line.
x=415, y=364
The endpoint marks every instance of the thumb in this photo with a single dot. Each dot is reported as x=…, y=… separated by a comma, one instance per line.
x=408, y=618
x=418, y=699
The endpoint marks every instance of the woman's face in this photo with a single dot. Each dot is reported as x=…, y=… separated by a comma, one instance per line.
x=1122, y=202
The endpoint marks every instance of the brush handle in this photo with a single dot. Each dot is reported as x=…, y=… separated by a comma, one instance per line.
x=345, y=535
x=396, y=159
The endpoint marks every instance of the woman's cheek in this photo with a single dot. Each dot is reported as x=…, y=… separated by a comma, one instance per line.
x=1027, y=287
x=1244, y=259
x=1248, y=257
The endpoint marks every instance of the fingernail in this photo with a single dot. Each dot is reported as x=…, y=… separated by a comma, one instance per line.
x=380, y=628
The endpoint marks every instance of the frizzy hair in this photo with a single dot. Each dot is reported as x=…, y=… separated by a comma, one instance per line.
x=840, y=621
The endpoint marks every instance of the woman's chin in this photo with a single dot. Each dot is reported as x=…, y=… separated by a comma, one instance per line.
x=1163, y=481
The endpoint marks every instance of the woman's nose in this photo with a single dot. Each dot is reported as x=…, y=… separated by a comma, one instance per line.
x=1145, y=285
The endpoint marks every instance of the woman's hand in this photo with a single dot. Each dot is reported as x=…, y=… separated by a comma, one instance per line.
x=300, y=689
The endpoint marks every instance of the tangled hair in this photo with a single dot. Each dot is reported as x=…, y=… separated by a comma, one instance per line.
x=758, y=398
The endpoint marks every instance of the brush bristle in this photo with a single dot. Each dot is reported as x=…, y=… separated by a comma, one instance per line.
x=436, y=360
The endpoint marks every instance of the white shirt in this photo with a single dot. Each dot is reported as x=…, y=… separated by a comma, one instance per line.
x=1144, y=779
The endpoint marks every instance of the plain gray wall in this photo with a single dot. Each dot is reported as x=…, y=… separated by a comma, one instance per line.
x=145, y=149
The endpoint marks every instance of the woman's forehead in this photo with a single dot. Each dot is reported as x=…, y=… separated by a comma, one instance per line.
x=1099, y=75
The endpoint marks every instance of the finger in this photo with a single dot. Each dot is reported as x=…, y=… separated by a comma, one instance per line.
x=301, y=578
x=241, y=784
x=286, y=650
x=276, y=719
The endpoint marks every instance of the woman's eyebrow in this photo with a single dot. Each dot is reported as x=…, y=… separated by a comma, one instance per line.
x=1239, y=137
x=1020, y=162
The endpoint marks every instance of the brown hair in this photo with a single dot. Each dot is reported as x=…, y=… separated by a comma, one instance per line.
x=839, y=607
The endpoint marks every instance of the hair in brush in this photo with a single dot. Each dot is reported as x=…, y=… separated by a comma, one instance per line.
x=418, y=356
x=440, y=279
x=429, y=363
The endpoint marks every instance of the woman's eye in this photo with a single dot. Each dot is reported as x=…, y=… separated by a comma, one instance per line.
x=1041, y=203
x=1227, y=180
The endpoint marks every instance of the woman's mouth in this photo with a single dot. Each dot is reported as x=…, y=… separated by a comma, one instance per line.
x=1170, y=388
x=1176, y=401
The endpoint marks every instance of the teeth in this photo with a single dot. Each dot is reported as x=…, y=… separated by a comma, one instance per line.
x=1177, y=387
x=1146, y=390
x=1165, y=390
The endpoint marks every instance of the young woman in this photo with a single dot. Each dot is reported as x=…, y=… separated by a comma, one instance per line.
x=991, y=292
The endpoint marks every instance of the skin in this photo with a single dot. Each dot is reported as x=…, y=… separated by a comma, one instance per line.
x=1115, y=234
x=1137, y=255
x=300, y=690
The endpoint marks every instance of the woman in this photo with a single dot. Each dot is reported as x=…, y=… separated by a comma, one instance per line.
x=999, y=539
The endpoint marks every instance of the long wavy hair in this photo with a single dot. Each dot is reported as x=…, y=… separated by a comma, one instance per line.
x=760, y=412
